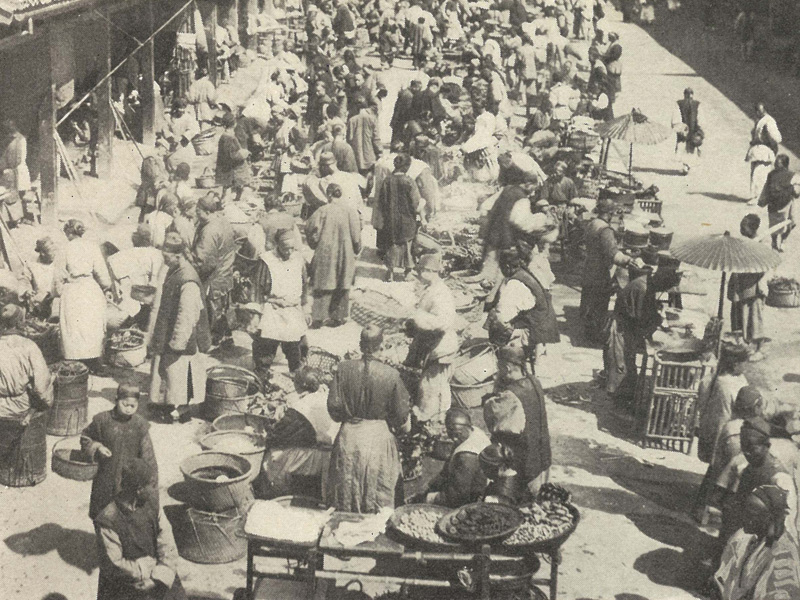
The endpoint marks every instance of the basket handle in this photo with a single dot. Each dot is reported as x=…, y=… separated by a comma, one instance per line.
x=207, y=172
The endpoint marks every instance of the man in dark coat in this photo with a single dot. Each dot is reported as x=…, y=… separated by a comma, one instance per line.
x=635, y=319
x=402, y=109
x=362, y=134
x=138, y=557
x=232, y=170
x=689, y=132
x=181, y=328
x=778, y=195
x=602, y=253
x=345, y=157
x=213, y=253
x=461, y=480
x=399, y=206
x=525, y=432
x=426, y=108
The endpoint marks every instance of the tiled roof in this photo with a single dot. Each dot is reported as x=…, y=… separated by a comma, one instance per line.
x=11, y=8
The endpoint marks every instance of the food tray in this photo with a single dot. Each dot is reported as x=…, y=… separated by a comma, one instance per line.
x=394, y=529
x=447, y=524
x=547, y=545
x=309, y=505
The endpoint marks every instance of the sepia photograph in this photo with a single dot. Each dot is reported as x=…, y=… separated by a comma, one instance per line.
x=399, y=300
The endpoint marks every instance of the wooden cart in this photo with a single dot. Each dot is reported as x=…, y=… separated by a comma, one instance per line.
x=478, y=570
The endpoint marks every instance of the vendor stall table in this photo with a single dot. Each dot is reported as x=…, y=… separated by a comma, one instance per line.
x=394, y=563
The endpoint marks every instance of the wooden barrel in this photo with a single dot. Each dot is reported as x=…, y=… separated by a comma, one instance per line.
x=69, y=413
x=23, y=451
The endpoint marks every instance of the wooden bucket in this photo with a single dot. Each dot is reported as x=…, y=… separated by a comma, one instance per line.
x=70, y=410
x=201, y=471
x=210, y=538
x=23, y=451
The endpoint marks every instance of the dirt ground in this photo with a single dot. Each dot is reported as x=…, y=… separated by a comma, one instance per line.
x=635, y=540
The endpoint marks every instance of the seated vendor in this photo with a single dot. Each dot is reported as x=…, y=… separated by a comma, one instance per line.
x=299, y=447
x=461, y=480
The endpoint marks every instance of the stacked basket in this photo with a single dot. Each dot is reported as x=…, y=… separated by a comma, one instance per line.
x=473, y=373
x=210, y=531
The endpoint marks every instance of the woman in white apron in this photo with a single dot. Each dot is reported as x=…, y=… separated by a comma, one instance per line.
x=80, y=280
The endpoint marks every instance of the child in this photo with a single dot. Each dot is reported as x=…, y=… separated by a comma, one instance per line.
x=113, y=438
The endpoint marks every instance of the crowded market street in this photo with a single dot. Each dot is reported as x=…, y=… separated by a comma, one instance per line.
x=637, y=537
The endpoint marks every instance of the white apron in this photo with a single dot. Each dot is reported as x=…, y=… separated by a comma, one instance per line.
x=284, y=324
x=82, y=319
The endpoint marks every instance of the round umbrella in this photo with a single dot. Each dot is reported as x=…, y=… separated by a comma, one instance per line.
x=723, y=252
x=634, y=128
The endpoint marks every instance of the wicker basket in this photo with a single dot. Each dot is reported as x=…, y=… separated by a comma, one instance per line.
x=204, y=143
x=227, y=441
x=377, y=308
x=229, y=381
x=127, y=358
x=470, y=396
x=475, y=364
x=322, y=360
x=783, y=298
x=210, y=538
x=246, y=422
x=71, y=462
x=201, y=471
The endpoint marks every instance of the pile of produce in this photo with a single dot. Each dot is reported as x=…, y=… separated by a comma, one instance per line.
x=416, y=444
x=270, y=404
x=126, y=339
x=420, y=521
x=542, y=521
x=33, y=327
x=784, y=285
x=480, y=521
x=69, y=368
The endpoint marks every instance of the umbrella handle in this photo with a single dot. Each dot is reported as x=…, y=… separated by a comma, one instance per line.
x=721, y=294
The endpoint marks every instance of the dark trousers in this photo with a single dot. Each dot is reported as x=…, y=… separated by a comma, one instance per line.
x=331, y=304
x=594, y=311
x=264, y=352
x=218, y=303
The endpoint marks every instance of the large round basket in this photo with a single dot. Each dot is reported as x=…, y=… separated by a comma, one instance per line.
x=249, y=445
x=23, y=451
x=126, y=349
x=229, y=381
x=396, y=530
x=210, y=538
x=549, y=545
x=322, y=360
x=374, y=307
x=204, y=143
x=71, y=462
x=782, y=296
x=247, y=422
x=218, y=481
x=470, y=396
x=475, y=363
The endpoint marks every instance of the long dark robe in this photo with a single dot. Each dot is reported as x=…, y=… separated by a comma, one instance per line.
x=635, y=319
x=127, y=439
x=532, y=453
x=398, y=200
x=367, y=397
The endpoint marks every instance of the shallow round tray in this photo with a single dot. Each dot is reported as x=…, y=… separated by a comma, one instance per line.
x=549, y=545
x=447, y=520
x=409, y=540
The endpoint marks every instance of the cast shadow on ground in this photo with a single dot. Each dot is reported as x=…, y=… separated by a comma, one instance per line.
x=713, y=56
x=657, y=171
x=792, y=377
x=74, y=547
x=572, y=327
x=680, y=565
x=720, y=196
